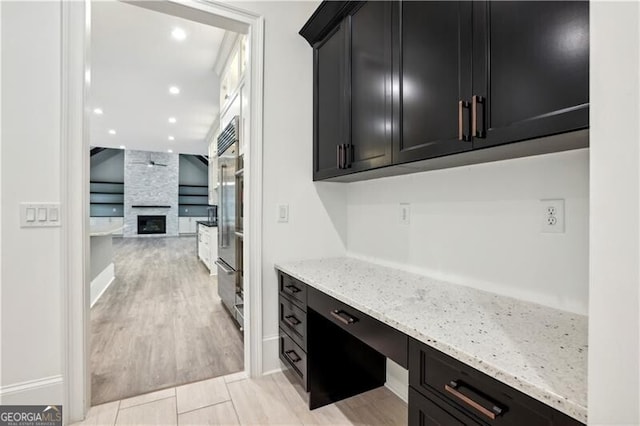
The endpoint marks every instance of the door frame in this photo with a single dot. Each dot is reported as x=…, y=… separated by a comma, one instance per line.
x=74, y=162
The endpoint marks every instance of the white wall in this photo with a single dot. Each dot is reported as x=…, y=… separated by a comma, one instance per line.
x=614, y=320
x=31, y=262
x=480, y=226
x=317, y=211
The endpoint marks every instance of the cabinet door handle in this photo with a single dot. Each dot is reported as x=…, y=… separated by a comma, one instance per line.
x=339, y=156
x=289, y=354
x=292, y=289
x=343, y=317
x=492, y=413
x=461, y=106
x=292, y=320
x=475, y=132
x=348, y=155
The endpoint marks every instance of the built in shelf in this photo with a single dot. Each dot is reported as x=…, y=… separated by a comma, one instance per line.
x=194, y=186
x=194, y=204
x=105, y=202
x=150, y=207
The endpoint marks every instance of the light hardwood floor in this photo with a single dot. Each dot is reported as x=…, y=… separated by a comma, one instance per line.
x=161, y=323
x=234, y=400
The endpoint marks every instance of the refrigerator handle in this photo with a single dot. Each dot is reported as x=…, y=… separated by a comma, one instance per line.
x=221, y=207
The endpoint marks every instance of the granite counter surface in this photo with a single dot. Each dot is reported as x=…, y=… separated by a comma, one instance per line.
x=537, y=350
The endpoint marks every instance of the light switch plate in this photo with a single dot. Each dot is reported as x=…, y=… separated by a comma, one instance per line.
x=283, y=213
x=39, y=215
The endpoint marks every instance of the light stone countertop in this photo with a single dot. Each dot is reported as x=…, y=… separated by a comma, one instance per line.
x=99, y=230
x=537, y=350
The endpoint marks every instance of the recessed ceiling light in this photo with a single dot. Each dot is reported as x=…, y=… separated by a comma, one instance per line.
x=178, y=34
x=97, y=111
x=171, y=138
x=122, y=147
x=174, y=90
x=172, y=120
x=170, y=151
x=112, y=132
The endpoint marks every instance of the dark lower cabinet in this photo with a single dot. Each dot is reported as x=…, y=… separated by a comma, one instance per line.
x=406, y=82
x=530, y=69
x=472, y=395
x=425, y=411
x=433, y=67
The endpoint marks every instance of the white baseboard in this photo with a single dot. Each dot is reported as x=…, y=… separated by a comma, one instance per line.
x=45, y=391
x=102, y=282
x=397, y=380
x=270, y=358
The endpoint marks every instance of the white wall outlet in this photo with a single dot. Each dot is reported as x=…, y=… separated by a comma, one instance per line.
x=552, y=216
x=283, y=213
x=405, y=213
x=39, y=215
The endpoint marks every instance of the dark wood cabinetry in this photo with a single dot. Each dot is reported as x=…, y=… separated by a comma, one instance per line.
x=401, y=82
x=530, y=69
x=353, y=93
x=433, y=67
x=470, y=396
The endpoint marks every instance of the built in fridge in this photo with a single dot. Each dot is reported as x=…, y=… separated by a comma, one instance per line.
x=227, y=262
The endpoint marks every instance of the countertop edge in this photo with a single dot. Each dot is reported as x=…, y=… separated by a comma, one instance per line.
x=545, y=396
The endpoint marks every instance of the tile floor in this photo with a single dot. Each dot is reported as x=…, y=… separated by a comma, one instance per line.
x=236, y=400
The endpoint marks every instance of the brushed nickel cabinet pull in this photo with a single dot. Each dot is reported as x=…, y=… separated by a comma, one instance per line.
x=492, y=414
x=343, y=317
x=291, y=319
x=289, y=354
x=292, y=289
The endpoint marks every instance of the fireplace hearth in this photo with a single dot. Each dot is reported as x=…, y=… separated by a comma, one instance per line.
x=156, y=224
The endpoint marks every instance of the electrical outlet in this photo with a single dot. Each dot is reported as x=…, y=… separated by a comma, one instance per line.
x=405, y=213
x=552, y=217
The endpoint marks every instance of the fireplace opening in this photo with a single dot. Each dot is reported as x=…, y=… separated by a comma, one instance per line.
x=152, y=224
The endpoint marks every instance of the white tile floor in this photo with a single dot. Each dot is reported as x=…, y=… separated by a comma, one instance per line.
x=236, y=400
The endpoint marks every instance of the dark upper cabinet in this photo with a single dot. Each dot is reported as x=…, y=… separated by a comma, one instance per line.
x=353, y=93
x=530, y=69
x=330, y=103
x=402, y=82
x=370, y=47
x=433, y=68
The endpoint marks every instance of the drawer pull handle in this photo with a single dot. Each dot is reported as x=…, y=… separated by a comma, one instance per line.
x=293, y=289
x=492, y=413
x=291, y=319
x=343, y=317
x=289, y=354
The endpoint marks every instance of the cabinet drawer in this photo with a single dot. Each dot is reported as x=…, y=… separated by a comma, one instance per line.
x=475, y=393
x=293, y=356
x=293, y=289
x=426, y=412
x=293, y=321
x=386, y=340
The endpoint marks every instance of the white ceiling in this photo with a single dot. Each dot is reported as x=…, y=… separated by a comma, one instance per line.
x=134, y=61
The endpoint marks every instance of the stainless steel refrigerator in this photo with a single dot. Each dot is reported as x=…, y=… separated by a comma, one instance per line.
x=227, y=266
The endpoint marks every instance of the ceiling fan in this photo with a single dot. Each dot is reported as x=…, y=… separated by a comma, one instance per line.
x=149, y=163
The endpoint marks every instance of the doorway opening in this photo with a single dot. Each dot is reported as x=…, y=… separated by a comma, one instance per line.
x=241, y=103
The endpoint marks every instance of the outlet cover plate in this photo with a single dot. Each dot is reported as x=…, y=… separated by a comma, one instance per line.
x=552, y=216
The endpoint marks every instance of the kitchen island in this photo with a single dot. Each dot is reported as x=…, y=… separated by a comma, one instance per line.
x=102, y=270
x=538, y=351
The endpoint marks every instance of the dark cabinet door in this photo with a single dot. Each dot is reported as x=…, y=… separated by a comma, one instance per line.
x=531, y=69
x=370, y=38
x=330, y=113
x=425, y=412
x=433, y=70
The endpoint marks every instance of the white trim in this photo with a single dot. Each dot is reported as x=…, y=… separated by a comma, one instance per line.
x=76, y=31
x=101, y=283
x=74, y=150
x=30, y=385
x=45, y=391
x=397, y=380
